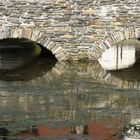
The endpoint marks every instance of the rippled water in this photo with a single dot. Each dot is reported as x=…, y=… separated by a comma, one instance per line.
x=69, y=101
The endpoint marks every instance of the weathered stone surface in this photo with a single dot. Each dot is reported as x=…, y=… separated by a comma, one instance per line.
x=68, y=23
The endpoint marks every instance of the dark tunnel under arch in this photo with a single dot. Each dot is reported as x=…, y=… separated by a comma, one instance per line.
x=23, y=43
x=46, y=53
x=23, y=59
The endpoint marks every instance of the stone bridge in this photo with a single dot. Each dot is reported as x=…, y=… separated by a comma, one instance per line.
x=71, y=29
x=99, y=47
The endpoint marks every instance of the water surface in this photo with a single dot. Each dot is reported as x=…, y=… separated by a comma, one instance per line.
x=69, y=101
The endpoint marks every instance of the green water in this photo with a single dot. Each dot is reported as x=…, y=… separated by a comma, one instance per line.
x=67, y=95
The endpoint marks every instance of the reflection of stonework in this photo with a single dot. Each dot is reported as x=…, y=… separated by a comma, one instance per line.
x=69, y=93
x=112, y=78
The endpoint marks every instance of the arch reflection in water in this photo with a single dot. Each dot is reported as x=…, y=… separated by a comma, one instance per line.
x=124, y=79
x=121, y=56
x=30, y=71
x=68, y=96
x=23, y=59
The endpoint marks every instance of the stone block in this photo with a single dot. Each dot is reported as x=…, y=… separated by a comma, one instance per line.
x=46, y=43
x=51, y=45
x=27, y=33
x=35, y=35
x=88, y=11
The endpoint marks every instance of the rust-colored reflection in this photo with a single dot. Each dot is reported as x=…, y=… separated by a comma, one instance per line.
x=46, y=131
x=104, y=130
x=28, y=134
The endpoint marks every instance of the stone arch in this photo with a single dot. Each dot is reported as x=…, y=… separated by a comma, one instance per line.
x=37, y=36
x=100, y=46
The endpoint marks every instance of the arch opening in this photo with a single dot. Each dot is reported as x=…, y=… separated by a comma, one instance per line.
x=23, y=59
x=46, y=53
x=16, y=52
x=22, y=50
x=23, y=42
x=123, y=55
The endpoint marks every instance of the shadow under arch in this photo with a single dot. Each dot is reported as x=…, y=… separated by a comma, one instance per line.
x=23, y=59
x=46, y=53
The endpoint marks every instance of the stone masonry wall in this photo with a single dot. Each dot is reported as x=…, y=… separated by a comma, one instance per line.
x=72, y=25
